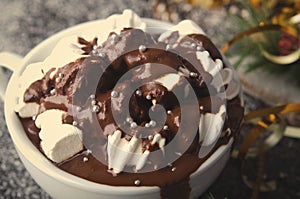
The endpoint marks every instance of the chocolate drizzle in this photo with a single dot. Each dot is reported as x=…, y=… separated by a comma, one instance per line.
x=99, y=75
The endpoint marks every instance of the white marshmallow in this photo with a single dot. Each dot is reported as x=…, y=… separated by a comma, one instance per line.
x=210, y=126
x=140, y=163
x=27, y=110
x=59, y=141
x=127, y=19
x=159, y=140
x=123, y=153
x=228, y=77
x=32, y=73
x=183, y=71
x=234, y=87
x=62, y=54
x=184, y=27
x=66, y=50
x=169, y=80
x=209, y=65
x=117, y=22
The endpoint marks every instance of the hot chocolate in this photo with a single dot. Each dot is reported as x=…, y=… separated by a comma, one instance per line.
x=136, y=109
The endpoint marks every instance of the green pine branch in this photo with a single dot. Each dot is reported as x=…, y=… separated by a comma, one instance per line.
x=248, y=48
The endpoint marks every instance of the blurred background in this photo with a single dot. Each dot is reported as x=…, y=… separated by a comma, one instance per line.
x=267, y=80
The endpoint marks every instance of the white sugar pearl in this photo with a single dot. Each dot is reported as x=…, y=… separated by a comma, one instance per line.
x=129, y=119
x=114, y=94
x=152, y=123
x=142, y=48
x=101, y=54
x=58, y=79
x=137, y=182
x=133, y=125
x=150, y=137
x=138, y=92
x=148, y=97
x=53, y=91
x=85, y=159
x=193, y=74
x=199, y=48
x=95, y=108
x=89, y=151
x=169, y=46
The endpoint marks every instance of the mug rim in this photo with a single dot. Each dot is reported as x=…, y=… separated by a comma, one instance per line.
x=38, y=160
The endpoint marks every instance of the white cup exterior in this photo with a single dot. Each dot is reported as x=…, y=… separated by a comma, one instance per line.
x=60, y=184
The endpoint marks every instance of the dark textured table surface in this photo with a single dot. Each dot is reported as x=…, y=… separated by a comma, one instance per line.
x=24, y=24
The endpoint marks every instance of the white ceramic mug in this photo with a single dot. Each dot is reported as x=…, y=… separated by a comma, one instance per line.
x=60, y=184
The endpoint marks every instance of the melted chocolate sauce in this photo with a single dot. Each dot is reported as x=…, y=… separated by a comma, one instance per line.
x=98, y=74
